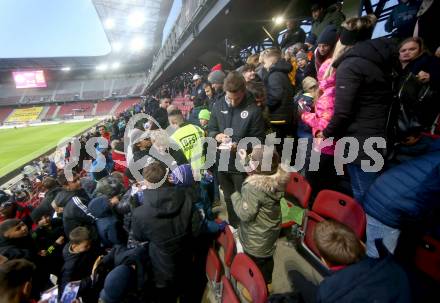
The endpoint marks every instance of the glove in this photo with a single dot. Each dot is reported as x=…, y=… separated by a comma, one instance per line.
x=222, y=225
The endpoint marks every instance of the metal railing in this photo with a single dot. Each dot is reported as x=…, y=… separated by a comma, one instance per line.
x=184, y=26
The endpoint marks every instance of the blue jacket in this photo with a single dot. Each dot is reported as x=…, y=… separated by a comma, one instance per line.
x=106, y=222
x=369, y=280
x=405, y=194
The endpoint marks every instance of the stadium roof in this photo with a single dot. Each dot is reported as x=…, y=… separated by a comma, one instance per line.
x=133, y=29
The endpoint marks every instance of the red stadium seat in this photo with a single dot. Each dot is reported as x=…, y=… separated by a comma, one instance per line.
x=427, y=258
x=246, y=272
x=299, y=188
x=228, y=292
x=226, y=241
x=298, y=191
x=335, y=206
x=213, y=271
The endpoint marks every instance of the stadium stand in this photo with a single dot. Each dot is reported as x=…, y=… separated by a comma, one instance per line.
x=104, y=108
x=124, y=105
x=350, y=232
x=72, y=109
x=4, y=113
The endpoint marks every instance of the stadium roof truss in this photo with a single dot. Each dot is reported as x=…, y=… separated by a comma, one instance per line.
x=133, y=28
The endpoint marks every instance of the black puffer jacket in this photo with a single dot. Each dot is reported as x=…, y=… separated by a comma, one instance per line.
x=363, y=92
x=280, y=92
x=19, y=248
x=165, y=221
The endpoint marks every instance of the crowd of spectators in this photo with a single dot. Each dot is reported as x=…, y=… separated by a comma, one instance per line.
x=131, y=226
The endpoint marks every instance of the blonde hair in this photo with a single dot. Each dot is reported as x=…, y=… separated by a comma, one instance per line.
x=310, y=85
x=253, y=59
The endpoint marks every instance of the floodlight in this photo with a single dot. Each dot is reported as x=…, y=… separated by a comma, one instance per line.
x=66, y=68
x=109, y=23
x=136, y=19
x=137, y=44
x=102, y=67
x=117, y=47
x=278, y=20
x=116, y=65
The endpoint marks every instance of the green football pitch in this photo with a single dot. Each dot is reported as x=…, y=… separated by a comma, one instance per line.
x=20, y=145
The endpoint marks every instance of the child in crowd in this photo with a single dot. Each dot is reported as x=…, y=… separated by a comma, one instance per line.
x=356, y=278
x=305, y=103
x=305, y=69
x=49, y=240
x=259, y=210
x=107, y=195
x=79, y=258
x=15, y=242
x=204, y=116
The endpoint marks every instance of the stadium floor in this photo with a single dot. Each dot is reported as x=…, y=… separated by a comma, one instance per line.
x=20, y=145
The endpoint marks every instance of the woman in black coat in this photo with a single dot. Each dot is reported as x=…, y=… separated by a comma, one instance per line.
x=425, y=69
x=363, y=95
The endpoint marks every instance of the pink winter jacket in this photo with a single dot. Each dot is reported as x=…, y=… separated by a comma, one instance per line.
x=324, y=105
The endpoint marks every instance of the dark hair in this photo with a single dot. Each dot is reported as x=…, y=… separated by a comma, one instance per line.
x=13, y=275
x=50, y=183
x=207, y=84
x=155, y=172
x=62, y=179
x=247, y=68
x=337, y=243
x=234, y=82
x=79, y=234
x=256, y=88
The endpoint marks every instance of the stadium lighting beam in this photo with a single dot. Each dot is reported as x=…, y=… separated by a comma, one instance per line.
x=116, y=65
x=66, y=69
x=109, y=23
x=137, y=44
x=136, y=19
x=102, y=67
x=117, y=47
x=278, y=20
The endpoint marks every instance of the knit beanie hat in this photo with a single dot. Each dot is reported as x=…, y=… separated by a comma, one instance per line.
x=117, y=284
x=301, y=56
x=40, y=211
x=311, y=39
x=217, y=67
x=216, y=77
x=110, y=186
x=329, y=35
x=204, y=114
x=352, y=37
x=182, y=175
